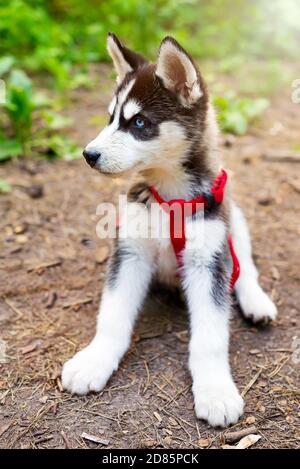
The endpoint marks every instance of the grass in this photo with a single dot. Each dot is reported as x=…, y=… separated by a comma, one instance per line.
x=61, y=38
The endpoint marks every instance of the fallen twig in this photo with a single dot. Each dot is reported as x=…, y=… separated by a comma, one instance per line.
x=78, y=303
x=232, y=437
x=284, y=156
x=251, y=382
x=13, y=307
x=245, y=442
x=66, y=440
x=94, y=439
x=46, y=265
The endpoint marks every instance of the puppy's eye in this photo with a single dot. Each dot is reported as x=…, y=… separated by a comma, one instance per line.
x=139, y=123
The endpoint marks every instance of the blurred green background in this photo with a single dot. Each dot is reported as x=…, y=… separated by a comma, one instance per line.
x=50, y=45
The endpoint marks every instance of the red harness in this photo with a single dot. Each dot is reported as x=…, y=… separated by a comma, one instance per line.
x=178, y=241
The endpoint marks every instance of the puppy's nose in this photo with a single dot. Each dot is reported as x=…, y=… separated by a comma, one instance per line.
x=91, y=156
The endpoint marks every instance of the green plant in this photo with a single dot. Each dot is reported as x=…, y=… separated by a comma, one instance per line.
x=235, y=114
x=33, y=122
x=58, y=146
x=19, y=106
x=9, y=148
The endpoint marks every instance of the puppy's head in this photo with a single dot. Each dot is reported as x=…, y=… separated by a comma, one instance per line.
x=158, y=111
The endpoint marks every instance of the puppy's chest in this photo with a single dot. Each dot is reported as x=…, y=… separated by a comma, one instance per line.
x=166, y=261
x=150, y=227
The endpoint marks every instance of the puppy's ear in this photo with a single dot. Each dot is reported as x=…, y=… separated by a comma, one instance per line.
x=178, y=72
x=125, y=60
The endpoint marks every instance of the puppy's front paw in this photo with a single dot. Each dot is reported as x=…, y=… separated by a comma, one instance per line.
x=87, y=371
x=219, y=405
x=256, y=305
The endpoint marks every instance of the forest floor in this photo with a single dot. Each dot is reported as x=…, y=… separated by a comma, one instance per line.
x=52, y=271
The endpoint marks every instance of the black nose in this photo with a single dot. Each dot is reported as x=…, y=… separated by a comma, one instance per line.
x=91, y=156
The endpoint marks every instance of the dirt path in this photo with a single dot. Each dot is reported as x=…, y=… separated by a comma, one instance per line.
x=50, y=286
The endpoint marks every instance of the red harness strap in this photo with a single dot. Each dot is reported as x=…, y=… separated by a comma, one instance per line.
x=178, y=239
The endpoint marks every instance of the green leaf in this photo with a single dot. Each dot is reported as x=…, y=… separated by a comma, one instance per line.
x=19, y=105
x=9, y=149
x=59, y=146
x=235, y=114
x=55, y=121
x=5, y=187
x=235, y=122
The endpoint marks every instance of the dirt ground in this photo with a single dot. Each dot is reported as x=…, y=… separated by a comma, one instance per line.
x=52, y=270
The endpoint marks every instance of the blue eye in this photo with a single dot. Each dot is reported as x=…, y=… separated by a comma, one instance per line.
x=139, y=123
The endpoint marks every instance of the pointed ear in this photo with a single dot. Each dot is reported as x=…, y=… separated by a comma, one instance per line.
x=178, y=72
x=125, y=60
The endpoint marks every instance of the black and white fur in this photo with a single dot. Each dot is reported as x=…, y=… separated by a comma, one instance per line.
x=177, y=151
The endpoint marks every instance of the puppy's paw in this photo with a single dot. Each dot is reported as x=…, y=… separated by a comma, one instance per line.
x=256, y=305
x=87, y=371
x=220, y=406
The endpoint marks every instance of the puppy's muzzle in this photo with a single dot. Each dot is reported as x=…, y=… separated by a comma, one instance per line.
x=91, y=156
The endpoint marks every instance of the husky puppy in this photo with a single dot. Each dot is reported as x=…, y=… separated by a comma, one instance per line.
x=163, y=126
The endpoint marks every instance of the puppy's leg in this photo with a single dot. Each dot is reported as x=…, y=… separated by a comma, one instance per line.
x=206, y=283
x=129, y=276
x=254, y=302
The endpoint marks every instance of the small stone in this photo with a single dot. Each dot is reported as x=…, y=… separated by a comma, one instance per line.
x=22, y=239
x=52, y=297
x=250, y=420
x=254, y=351
x=20, y=229
x=36, y=191
x=265, y=201
x=275, y=273
x=43, y=399
x=102, y=254
x=263, y=384
x=229, y=140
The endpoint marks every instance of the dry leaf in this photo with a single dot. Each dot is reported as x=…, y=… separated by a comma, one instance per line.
x=173, y=422
x=261, y=408
x=148, y=443
x=244, y=443
x=167, y=440
x=204, y=442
